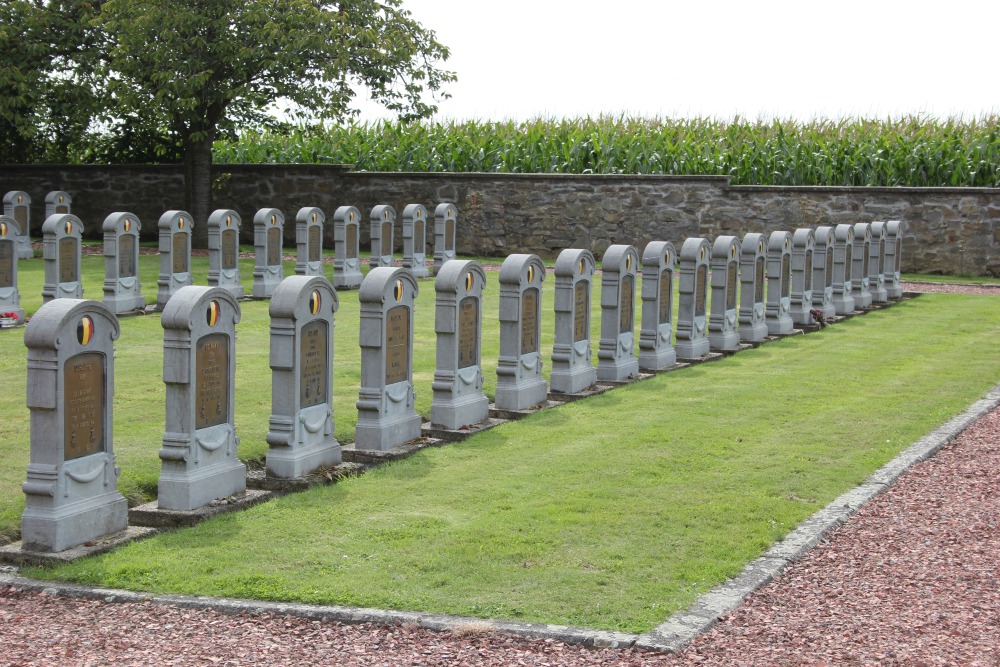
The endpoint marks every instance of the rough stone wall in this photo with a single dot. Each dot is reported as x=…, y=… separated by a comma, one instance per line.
x=950, y=230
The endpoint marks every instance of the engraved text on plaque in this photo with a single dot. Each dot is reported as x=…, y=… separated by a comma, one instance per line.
x=397, y=345
x=529, y=321
x=6, y=263
x=700, y=286
x=180, y=253
x=581, y=328
x=126, y=256
x=67, y=260
x=666, y=296
x=211, y=378
x=230, y=251
x=83, y=405
x=313, y=388
x=626, y=308
x=273, y=246
x=314, y=243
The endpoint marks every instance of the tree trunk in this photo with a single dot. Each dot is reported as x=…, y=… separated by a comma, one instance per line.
x=198, y=187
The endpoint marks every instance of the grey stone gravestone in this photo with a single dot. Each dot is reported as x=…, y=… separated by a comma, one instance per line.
x=861, y=249
x=17, y=205
x=224, y=251
x=122, y=288
x=822, y=283
x=61, y=235
x=309, y=241
x=199, y=462
x=616, y=361
x=876, y=264
x=893, y=256
x=753, y=307
x=415, y=240
x=458, y=399
x=71, y=494
x=843, y=243
x=347, y=248
x=779, y=284
x=445, y=221
x=656, y=337
x=520, y=384
x=803, y=252
x=692, y=314
x=383, y=223
x=386, y=413
x=723, y=334
x=175, y=255
x=57, y=202
x=268, y=271
x=10, y=298
x=572, y=370
x=300, y=431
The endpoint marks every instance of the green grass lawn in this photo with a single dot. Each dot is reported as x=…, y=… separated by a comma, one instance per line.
x=962, y=280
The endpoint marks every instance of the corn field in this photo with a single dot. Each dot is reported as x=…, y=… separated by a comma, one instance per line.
x=907, y=151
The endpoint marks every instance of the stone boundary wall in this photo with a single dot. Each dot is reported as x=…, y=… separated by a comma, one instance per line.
x=950, y=230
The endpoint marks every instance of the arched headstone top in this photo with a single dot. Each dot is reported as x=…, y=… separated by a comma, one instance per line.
x=413, y=212
x=620, y=258
x=225, y=218
x=175, y=221
x=122, y=222
x=45, y=329
x=726, y=247
x=446, y=211
x=383, y=213
x=460, y=276
x=696, y=250
x=862, y=231
x=804, y=237
x=753, y=244
x=895, y=227
x=823, y=236
x=310, y=215
x=269, y=217
x=779, y=241
x=347, y=214
x=8, y=227
x=878, y=230
x=843, y=233
x=575, y=262
x=384, y=283
x=62, y=225
x=58, y=201
x=659, y=253
x=287, y=300
x=16, y=198
x=522, y=270
x=195, y=301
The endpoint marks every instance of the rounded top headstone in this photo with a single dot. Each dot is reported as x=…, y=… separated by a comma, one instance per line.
x=387, y=282
x=843, y=232
x=460, y=275
x=804, y=237
x=47, y=325
x=659, y=253
x=574, y=262
x=383, y=213
x=269, y=217
x=823, y=235
x=175, y=221
x=518, y=267
x=225, y=218
x=57, y=198
x=695, y=249
x=63, y=224
x=122, y=222
x=195, y=301
x=862, y=231
x=17, y=198
x=753, y=244
x=445, y=210
x=303, y=296
x=347, y=214
x=620, y=258
x=779, y=241
x=895, y=227
x=725, y=247
x=414, y=212
x=878, y=230
x=310, y=215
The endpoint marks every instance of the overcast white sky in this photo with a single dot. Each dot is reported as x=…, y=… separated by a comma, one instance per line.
x=774, y=58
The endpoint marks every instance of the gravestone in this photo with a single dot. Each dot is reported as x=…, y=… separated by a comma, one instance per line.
x=122, y=288
x=843, y=243
x=383, y=222
x=803, y=253
x=17, y=205
x=616, y=361
x=656, y=349
x=862, y=240
x=57, y=202
x=309, y=241
x=386, y=413
x=822, y=282
x=572, y=370
x=445, y=220
x=71, y=494
x=268, y=272
x=199, y=462
x=415, y=240
x=224, y=251
x=175, y=255
x=753, y=308
x=893, y=256
x=725, y=262
x=10, y=298
x=458, y=399
x=520, y=384
x=876, y=264
x=61, y=235
x=692, y=315
x=779, y=283
x=300, y=431
x=347, y=248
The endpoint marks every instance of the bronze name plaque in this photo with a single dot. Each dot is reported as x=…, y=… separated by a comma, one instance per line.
x=848, y=261
x=230, y=250
x=126, y=256
x=581, y=310
x=351, y=241
x=898, y=260
x=62, y=209
x=419, y=244
x=626, y=306
x=866, y=248
x=211, y=378
x=807, y=278
x=21, y=218
x=449, y=235
x=313, y=389
x=83, y=405
x=758, y=277
x=397, y=345
x=786, y=276
x=315, y=244
x=69, y=269
x=881, y=256
x=731, y=286
x=180, y=252
x=666, y=296
x=700, y=290
x=273, y=246
x=829, y=266
x=6, y=263
x=529, y=321
x=468, y=332
x=386, y=239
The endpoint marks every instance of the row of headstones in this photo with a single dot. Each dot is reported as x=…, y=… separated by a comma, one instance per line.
x=71, y=481
x=62, y=234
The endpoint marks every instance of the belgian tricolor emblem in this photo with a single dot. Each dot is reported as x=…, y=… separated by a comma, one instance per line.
x=69, y=226
x=470, y=280
x=582, y=264
x=180, y=224
x=397, y=290
x=3, y=229
x=628, y=262
x=531, y=274
x=213, y=313
x=314, y=302
x=127, y=226
x=229, y=221
x=85, y=330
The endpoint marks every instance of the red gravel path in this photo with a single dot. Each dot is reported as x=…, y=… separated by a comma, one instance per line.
x=911, y=579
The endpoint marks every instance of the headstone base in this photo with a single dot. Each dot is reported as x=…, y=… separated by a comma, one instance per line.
x=659, y=360
x=298, y=461
x=520, y=395
x=753, y=333
x=617, y=370
x=723, y=342
x=152, y=516
x=457, y=435
x=186, y=491
x=515, y=414
x=451, y=413
x=16, y=554
x=383, y=434
x=121, y=304
x=569, y=397
x=777, y=326
x=894, y=292
x=348, y=281
x=688, y=350
x=374, y=457
x=572, y=381
x=843, y=304
x=738, y=348
x=55, y=529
